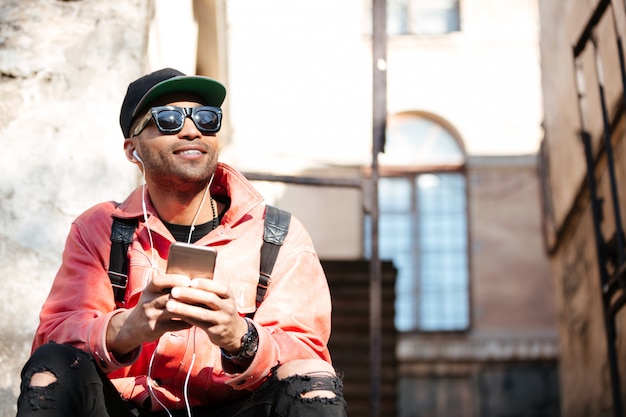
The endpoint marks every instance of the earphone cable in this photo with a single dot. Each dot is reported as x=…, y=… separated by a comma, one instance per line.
x=153, y=263
x=193, y=222
x=145, y=218
x=151, y=389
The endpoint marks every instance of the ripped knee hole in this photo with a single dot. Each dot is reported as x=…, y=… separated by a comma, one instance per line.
x=42, y=379
x=318, y=394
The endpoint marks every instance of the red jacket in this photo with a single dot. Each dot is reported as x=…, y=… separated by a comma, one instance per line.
x=293, y=321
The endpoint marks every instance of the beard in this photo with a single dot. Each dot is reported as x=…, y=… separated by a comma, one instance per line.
x=179, y=177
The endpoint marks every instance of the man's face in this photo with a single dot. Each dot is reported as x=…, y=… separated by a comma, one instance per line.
x=184, y=160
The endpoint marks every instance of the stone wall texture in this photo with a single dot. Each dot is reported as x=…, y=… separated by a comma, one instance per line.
x=585, y=368
x=61, y=67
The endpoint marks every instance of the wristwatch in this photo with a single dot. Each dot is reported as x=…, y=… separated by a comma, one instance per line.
x=249, y=346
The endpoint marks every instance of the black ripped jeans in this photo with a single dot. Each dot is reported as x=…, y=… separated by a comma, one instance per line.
x=82, y=390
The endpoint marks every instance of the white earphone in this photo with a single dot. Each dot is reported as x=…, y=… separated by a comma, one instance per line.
x=136, y=155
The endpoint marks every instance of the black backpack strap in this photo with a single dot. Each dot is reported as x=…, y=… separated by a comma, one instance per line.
x=274, y=232
x=122, y=231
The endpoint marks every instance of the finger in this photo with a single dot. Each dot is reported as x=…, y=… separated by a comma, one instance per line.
x=198, y=315
x=197, y=297
x=163, y=282
x=210, y=285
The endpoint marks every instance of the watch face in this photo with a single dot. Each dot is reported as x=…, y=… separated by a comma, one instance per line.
x=250, y=342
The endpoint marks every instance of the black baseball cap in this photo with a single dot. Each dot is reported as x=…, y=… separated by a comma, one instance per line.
x=148, y=88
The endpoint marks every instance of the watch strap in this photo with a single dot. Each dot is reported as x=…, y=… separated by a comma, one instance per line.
x=249, y=346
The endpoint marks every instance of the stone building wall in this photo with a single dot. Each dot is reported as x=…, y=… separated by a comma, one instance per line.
x=64, y=66
x=568, y=219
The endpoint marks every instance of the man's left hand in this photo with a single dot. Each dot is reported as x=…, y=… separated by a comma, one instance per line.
x=210, y=306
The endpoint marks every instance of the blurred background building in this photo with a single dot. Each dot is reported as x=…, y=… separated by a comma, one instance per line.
x=469, y=310
x=584, y=172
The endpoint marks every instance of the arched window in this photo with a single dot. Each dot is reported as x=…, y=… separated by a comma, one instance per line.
x=423, y=223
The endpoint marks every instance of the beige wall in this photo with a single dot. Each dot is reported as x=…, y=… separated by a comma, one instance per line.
x=512, y=291
x=584, y=370
x=562, y=122
x=483, y=80
x=586, y=387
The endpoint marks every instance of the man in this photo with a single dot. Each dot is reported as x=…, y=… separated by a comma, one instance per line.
x=176, y=345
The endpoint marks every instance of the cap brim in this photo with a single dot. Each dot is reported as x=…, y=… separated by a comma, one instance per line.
x=210, y=91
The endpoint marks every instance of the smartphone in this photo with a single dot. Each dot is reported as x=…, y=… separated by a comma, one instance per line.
x=191, y=260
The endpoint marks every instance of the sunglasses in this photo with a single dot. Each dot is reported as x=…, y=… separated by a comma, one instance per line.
x=170, y=119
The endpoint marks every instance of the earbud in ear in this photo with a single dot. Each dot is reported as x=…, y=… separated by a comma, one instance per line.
x=136, y=155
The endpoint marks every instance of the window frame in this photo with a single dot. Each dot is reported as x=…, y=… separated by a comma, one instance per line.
x=411, y=174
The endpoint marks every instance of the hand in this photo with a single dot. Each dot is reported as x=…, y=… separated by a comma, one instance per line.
x=211, y=307
x=149, y=319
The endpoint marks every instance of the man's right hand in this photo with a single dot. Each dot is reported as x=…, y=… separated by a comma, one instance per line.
x=149, y=319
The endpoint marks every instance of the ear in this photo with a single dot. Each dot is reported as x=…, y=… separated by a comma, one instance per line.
x=129, y=149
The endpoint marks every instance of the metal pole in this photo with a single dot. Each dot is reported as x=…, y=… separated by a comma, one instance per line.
x=620, y=51
x=379, y=124
x=619, y=231
x=609, y=318
x=306, y=180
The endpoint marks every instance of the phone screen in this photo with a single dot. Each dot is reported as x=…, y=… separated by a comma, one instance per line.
x=191, y=260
